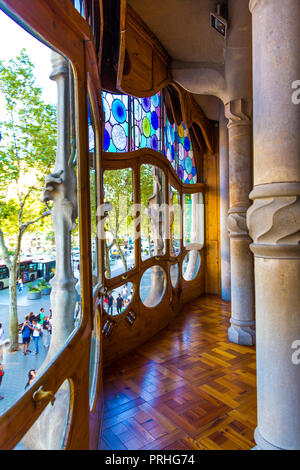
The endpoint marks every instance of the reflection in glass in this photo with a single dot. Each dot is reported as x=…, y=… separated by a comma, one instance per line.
x=175, y=221
x=152, y=211
x=93, y=192
x=193, y=219
x=191, y=265
x=117, y=300
x=41, y=436
x=119, y=226
x=152, y=286
x=174, y=274
x=94, y=358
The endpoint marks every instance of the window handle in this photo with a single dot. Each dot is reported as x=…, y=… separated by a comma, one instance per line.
x=41, y=394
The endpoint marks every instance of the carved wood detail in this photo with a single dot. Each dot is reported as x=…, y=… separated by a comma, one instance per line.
x=144, y=65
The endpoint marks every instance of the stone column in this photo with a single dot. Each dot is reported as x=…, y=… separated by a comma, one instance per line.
x=274, y=221
x=224, y=205
x=242, y=329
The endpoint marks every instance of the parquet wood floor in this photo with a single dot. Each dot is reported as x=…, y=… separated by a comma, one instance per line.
x=186, y=388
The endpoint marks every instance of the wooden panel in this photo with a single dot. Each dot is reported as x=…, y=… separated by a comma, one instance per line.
x=144, y=65
x=187, y=388
x=212, y=222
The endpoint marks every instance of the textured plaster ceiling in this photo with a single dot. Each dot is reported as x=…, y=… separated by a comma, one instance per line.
x=183, y=28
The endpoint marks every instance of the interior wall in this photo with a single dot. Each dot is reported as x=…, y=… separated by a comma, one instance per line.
x=212, y=218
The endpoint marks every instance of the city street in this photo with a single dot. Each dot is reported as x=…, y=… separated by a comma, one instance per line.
x=16, y=365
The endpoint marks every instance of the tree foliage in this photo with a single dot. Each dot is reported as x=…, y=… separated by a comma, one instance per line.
x=27, y=153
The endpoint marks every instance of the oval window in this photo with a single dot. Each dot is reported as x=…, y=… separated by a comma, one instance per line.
x=152, y=286
x=191, y=265
x=117, y=300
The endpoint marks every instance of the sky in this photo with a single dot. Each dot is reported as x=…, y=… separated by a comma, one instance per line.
x=13, y=38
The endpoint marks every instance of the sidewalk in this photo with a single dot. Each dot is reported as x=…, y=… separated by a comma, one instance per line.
x=16, y=365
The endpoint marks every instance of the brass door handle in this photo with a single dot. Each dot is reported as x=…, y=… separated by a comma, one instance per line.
x=41, y=394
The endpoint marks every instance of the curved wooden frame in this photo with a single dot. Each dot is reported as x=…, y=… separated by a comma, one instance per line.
x=116, y=345
x=60, y=25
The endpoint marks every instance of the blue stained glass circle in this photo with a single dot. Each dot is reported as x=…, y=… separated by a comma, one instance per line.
x=173, y=152
x=154, y=120
x=146, y=103
x=119, y=137
x=119, y=111
x=188, y=165
x=180, y=172
x=187, y=144
x=106, y=140
x=154, y=142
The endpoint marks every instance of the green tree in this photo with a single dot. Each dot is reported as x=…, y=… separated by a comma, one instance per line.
x=27, y=152
x=118, y=191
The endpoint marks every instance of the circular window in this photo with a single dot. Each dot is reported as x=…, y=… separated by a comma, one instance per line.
x=191, y=265
x=117, y=300
x=152, y=286
x=174, y=274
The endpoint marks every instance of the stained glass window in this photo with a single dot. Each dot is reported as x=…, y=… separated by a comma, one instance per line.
x=135, y=123
x=116, y=123
x=146, y=128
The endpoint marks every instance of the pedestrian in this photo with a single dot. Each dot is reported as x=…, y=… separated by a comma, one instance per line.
x=46, y=332
x=1, y=341
x=1, y=376
x=125, y=292
x=110, y=302
x=37, y=329
x=40, y=316
x=119, y=304
x=31, y=377
x=26, y=331
x=20, y=285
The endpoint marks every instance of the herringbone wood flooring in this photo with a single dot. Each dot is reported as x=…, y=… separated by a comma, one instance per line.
x=186, y=388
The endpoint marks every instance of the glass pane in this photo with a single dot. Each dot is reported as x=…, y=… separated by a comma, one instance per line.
x=49, y=430
x=146, y=129
x=94, y=358
x=116, y=133
x=152, y=211
x=119, y=224
x=117, y=300
x=35, y=115
x=186, y=161
x=152, y=286
x=193, y=219
x=93, y=192
x=174, y=274
x=191, y=265
x=175, y=222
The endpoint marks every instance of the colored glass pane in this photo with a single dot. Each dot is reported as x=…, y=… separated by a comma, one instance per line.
x=146, y=123
x=135, y=123
x=116, y=133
